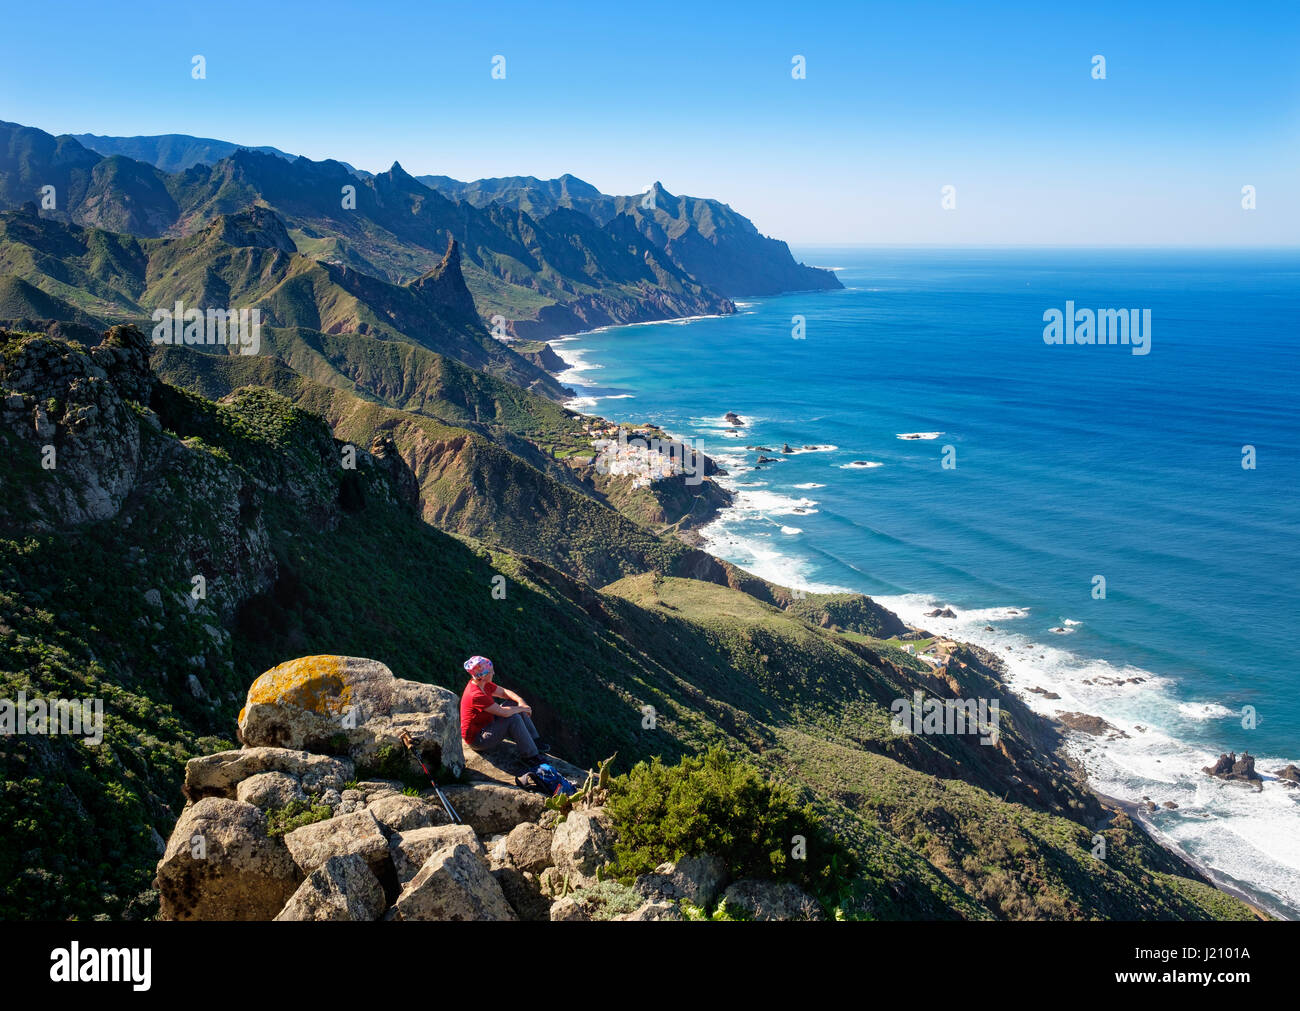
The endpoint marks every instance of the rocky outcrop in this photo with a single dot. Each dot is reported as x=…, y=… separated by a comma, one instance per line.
x=453, y=884
x=1289, y=775
x=770, y=900
x=696, y=880
x=490, y=808
x=358, y=834
x=221, y=774
x=289, y=834
x=582, y=845
x=1230, y=767
x=221, y=865
x=353, y=706
x=343, y=888
x=411, y=849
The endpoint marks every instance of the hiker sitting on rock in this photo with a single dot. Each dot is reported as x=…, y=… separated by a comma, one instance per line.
x=485, y=723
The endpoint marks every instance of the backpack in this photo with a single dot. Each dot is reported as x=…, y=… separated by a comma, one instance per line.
x=545, y=779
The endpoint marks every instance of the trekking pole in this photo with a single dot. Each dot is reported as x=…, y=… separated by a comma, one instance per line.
x=451, y=811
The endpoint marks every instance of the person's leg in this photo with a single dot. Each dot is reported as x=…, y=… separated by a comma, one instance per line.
x=492, y=735
x=520, y=729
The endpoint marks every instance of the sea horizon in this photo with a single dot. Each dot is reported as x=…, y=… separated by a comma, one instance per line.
x=1017, y=414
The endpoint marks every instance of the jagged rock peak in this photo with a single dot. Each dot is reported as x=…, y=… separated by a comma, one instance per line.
x=255, y=226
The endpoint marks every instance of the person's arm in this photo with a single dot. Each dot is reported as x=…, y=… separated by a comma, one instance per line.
x=506, y=693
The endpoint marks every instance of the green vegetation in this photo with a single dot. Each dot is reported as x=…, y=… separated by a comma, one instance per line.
x=295, y=814
x=714, y=804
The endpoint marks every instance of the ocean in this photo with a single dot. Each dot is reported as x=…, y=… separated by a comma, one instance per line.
x=1082, y=488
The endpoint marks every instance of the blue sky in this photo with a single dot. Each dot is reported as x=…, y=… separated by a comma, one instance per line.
x=996, y=100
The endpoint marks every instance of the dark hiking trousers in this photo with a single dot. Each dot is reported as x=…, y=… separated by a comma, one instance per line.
x=519, y=728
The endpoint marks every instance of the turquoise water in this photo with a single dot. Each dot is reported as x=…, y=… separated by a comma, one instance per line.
x=1067, y=462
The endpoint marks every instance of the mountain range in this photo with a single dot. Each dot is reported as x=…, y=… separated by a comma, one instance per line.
x=543, y=258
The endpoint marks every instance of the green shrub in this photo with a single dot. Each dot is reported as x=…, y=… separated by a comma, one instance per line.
x=719, y=805
x=295, y=814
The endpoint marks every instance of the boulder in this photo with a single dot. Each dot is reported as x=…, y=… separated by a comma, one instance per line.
x=221, y=865
x=399, y=813
x=654, y=911
x=220, y=774
x=570, y=910
x=528, y=847
x=771, y=900
x=411, y=849
x=358, y=833
x=354, y=706
x=582, y=845
x=523, y=891
x=697, y=880
x=270, y=789
x=342, y=888
x=453, y=884
x=490, y=808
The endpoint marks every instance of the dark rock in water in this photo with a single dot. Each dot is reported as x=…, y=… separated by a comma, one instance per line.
x=1230, y=767
x=732, y=418
x=760, y=449
x=1170, y=805
x=941, y=612
x=1147, y=806
x=1290, y=775
x=1093, y=726
x=989, y=628
x=785, y=448
x=769, y=459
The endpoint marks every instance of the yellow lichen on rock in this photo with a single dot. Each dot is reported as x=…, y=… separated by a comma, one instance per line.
x=314, y=683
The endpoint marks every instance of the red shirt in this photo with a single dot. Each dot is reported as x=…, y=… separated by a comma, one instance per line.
x=474, y=702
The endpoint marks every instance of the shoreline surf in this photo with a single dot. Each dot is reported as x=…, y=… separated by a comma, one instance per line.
x=1040, y=670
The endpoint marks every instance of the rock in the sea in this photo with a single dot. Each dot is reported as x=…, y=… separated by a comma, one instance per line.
x=411, y=849
x=490, y=808
x=582, y=845
x=453, y=884
x=732, y=418
x=785, y=448
x=354, y=706
x=221, y=865
x=695, y=879
x=1232, y=768
x=771, y=900
x=941, y=612
x=528, y=847
x=1171, y=805
x=220, y=774
x=357, y=833
x=1290, y=775
x=1093, y=726
x=342, y=889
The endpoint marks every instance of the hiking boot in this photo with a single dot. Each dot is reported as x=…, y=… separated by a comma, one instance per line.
x=543, y=747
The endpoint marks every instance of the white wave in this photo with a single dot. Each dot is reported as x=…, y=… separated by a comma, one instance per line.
x=809, y=486
x=791, y=530
x=913, y=436
x=798, y=450
x=1246, y=836
x=860, y=465
x=1200, y=711
x=1070, y=622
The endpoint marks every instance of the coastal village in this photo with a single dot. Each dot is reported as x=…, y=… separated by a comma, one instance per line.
x=641, y=452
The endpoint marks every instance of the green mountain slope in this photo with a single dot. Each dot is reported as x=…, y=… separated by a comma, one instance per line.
x=154, y=486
